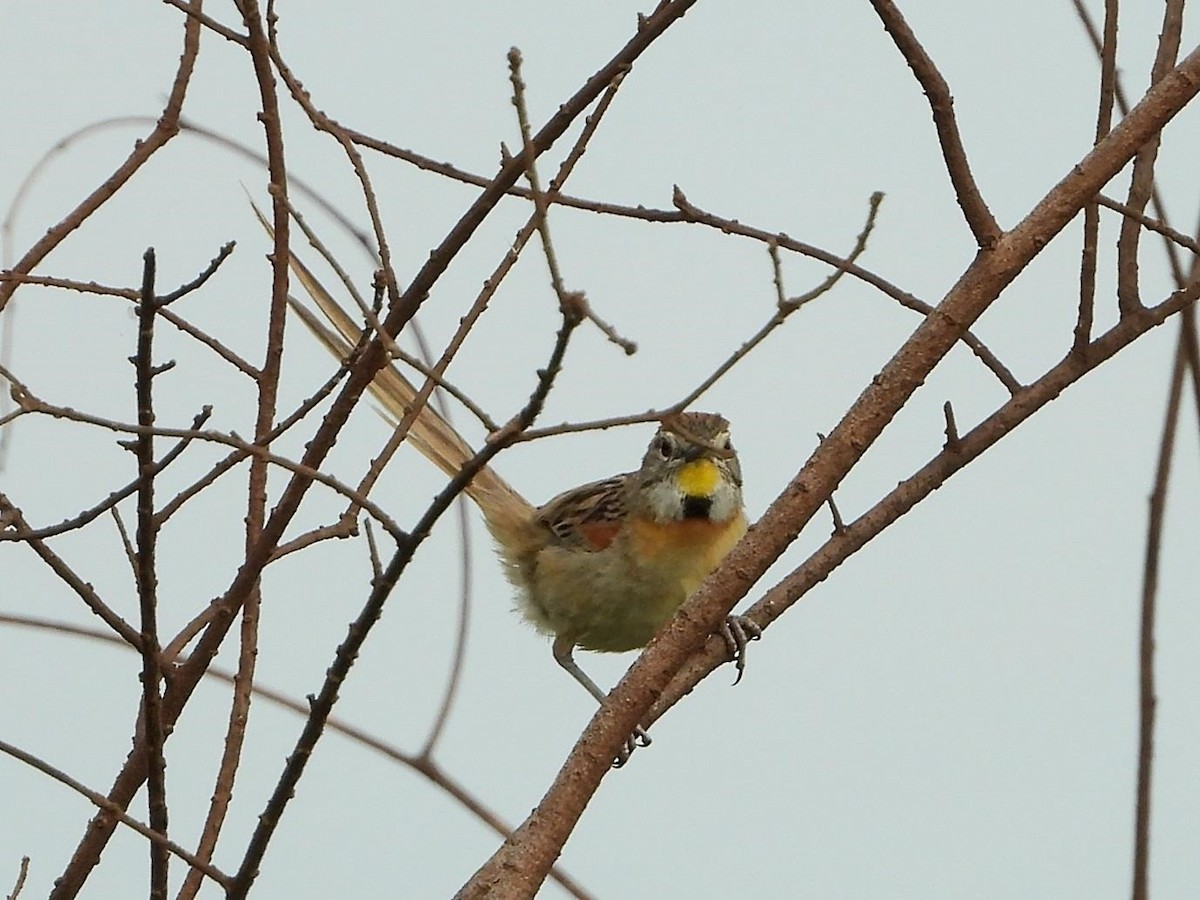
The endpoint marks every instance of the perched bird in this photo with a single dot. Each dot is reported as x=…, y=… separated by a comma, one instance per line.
x=604, y=565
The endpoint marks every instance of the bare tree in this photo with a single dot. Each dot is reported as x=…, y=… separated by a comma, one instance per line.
x=285, y=460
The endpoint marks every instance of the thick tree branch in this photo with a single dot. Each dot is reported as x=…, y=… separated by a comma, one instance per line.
x=519, y=867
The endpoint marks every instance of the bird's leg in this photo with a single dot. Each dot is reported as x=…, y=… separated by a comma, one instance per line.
x=737, y=632
x=564, y=649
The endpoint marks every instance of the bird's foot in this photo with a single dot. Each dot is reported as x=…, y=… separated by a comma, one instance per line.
x=737, y=632
x=639, y=738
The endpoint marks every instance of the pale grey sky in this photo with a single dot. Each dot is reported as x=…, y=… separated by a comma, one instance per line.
x=952, y=715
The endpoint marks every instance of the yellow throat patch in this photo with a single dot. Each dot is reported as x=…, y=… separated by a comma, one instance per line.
x=698, y=478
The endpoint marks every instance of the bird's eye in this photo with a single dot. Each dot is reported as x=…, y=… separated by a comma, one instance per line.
x=664, y=446
x=724, y=442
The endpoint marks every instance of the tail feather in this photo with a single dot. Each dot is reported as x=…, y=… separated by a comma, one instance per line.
x=433, y=436
x=510, y=517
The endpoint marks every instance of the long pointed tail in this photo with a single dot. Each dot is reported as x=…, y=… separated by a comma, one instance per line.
x=505, y=510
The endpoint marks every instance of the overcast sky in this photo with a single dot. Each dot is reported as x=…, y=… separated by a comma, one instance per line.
x=953, y=714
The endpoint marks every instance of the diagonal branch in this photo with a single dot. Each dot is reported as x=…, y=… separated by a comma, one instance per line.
x=953, y=457
x=347, y=652
x=519, y=867
x=13, y=522
x=165, y=128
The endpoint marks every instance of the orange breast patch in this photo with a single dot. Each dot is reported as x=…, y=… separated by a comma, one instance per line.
x=702, y=539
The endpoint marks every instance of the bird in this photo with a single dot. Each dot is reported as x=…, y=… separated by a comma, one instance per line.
x=601, y=566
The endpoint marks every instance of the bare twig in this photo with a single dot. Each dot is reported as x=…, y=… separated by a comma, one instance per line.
x=112, y=809
x=952, y=439
x=209, y=22
x=1147, y=700
x=14, y=522
x=147, y=580
x=165, y=129
x=541, y=203
x=693, y=213
x=1142, y=182
x=325, y=123
x=784, y=306
x=126, y=542
x=70, y=284
x=346, y=526
x=258, y=47
x=21, y=874
x=1159, y=227
x=839, y=526
x=975, y=210
x=200, y=280
x=92, y=513
x=1091, y=215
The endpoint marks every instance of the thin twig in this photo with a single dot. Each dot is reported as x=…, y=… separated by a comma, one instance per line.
x=1159, y=227
x=22, y=872
x=200, y=280
x=165, y=128
x=70, y=284
x=1091, y=215
x=1147, y=701
x=84, y=517
x=147, y=580
x=839, y=526
x=1142, y=181
x=257, y=45
x=979, y=218
x=346, y=526
x=14, y=522
x=540, y=205
x=126, y=541
x=112, y=809
x=693, y=213
x=209, y=22
x=324, y=122
x=952, y=440
x=784, y=306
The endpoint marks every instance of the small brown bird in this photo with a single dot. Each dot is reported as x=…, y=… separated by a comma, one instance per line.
x=604, y=565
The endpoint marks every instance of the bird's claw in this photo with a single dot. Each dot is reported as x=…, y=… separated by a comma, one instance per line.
x=639, y=738
x=737, y=632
